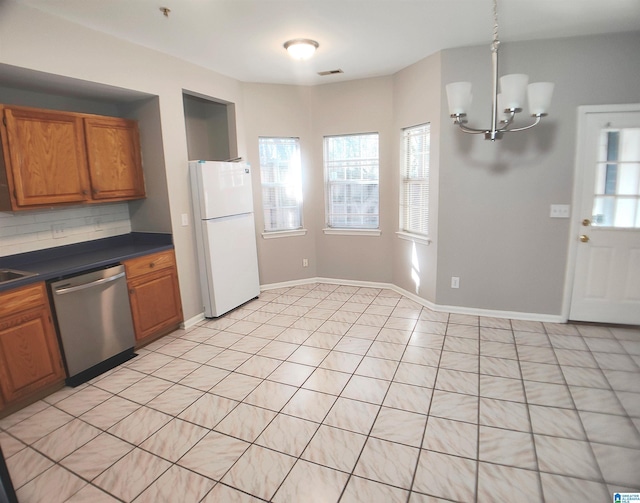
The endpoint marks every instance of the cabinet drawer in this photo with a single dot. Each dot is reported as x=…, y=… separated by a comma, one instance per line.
x=21, y=299
x=149, y=263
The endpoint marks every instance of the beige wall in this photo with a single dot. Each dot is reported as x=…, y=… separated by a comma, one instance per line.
x=490, y=204
x=274, y=110
x=33, y=40
x=416, y=100
x=360, y=106
x=310, y=113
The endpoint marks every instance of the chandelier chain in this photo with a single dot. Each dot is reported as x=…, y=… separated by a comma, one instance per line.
x=505, y=105
x=496, y=41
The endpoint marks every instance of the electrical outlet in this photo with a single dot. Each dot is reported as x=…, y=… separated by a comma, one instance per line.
x=58, y=231
x=560, y=211
x=305, y=262
x=455, y=282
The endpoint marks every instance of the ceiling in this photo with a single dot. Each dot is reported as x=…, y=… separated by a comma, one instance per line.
x=244, y=39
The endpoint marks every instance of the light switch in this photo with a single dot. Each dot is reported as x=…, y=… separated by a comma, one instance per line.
x=560, y=211
x=185, y=219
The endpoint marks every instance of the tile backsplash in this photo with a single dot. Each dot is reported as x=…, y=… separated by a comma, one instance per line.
x=35, y=230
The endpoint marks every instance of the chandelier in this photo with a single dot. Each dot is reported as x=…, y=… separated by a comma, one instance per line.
x=507, y=103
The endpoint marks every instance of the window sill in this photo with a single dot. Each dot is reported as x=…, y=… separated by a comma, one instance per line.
x=352, y=232
x=415, y=238
x=283, y=234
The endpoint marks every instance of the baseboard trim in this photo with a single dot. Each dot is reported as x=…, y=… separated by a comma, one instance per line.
x=192, y=321
x=490, y=313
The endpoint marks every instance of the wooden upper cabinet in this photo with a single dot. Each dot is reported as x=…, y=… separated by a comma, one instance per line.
x=47, y=157
x=58, y=158
x=115, y=164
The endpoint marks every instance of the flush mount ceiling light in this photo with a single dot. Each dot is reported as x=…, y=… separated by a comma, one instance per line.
x=301, y=48
x=506, y=104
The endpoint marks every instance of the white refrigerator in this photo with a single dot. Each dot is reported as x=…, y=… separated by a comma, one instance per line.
x=225, y=234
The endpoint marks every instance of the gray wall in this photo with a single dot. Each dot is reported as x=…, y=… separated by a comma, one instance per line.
x=151, y=214
x=495, y=232
x=489, y=208
x=32, y=230
x=207, y=128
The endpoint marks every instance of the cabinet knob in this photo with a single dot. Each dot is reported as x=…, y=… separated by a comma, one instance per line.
x=152, y=265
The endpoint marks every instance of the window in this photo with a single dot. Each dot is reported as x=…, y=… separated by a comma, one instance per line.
x=617, y=190
x=280, y=171
x=414, y=197
x=352, y=174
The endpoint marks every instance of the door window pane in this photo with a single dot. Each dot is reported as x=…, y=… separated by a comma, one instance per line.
x=617, y=185
x=625, y=212
x=629, y=179
x=602, y=212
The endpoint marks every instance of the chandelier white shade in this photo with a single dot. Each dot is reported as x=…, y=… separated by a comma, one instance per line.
x=301, y=48
x=539, y=95
x=514, y=90
x=459, y=97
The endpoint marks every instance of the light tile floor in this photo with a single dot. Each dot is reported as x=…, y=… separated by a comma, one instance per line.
x=325, y=393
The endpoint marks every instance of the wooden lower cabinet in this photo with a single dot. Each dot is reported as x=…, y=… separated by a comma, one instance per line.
x=30, y=358
x=154, y=294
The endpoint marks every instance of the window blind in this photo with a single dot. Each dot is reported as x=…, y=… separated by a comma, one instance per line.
x=280, y=173
x=352, y=178
x=414, y=199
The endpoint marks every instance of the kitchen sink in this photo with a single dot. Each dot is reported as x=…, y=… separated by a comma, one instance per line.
x=7, y=275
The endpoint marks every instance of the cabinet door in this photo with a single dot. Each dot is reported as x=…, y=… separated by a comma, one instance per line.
x=115, y=163
x=29, y=354
x=155, y=303
x=47, y=159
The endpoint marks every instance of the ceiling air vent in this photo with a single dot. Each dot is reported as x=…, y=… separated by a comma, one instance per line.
x=330, y=72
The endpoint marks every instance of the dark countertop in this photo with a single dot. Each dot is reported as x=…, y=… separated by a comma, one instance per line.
x=55, y=263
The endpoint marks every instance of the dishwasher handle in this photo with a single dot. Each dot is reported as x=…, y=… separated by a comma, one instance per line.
x=62, y=291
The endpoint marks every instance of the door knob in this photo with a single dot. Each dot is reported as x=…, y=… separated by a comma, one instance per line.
x=584, y=238
x=586, y=222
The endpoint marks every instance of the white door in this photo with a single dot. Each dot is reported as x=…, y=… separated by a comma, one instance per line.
x=606, y=285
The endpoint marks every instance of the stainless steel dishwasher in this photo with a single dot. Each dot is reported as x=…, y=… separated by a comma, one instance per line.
x=94, y=322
